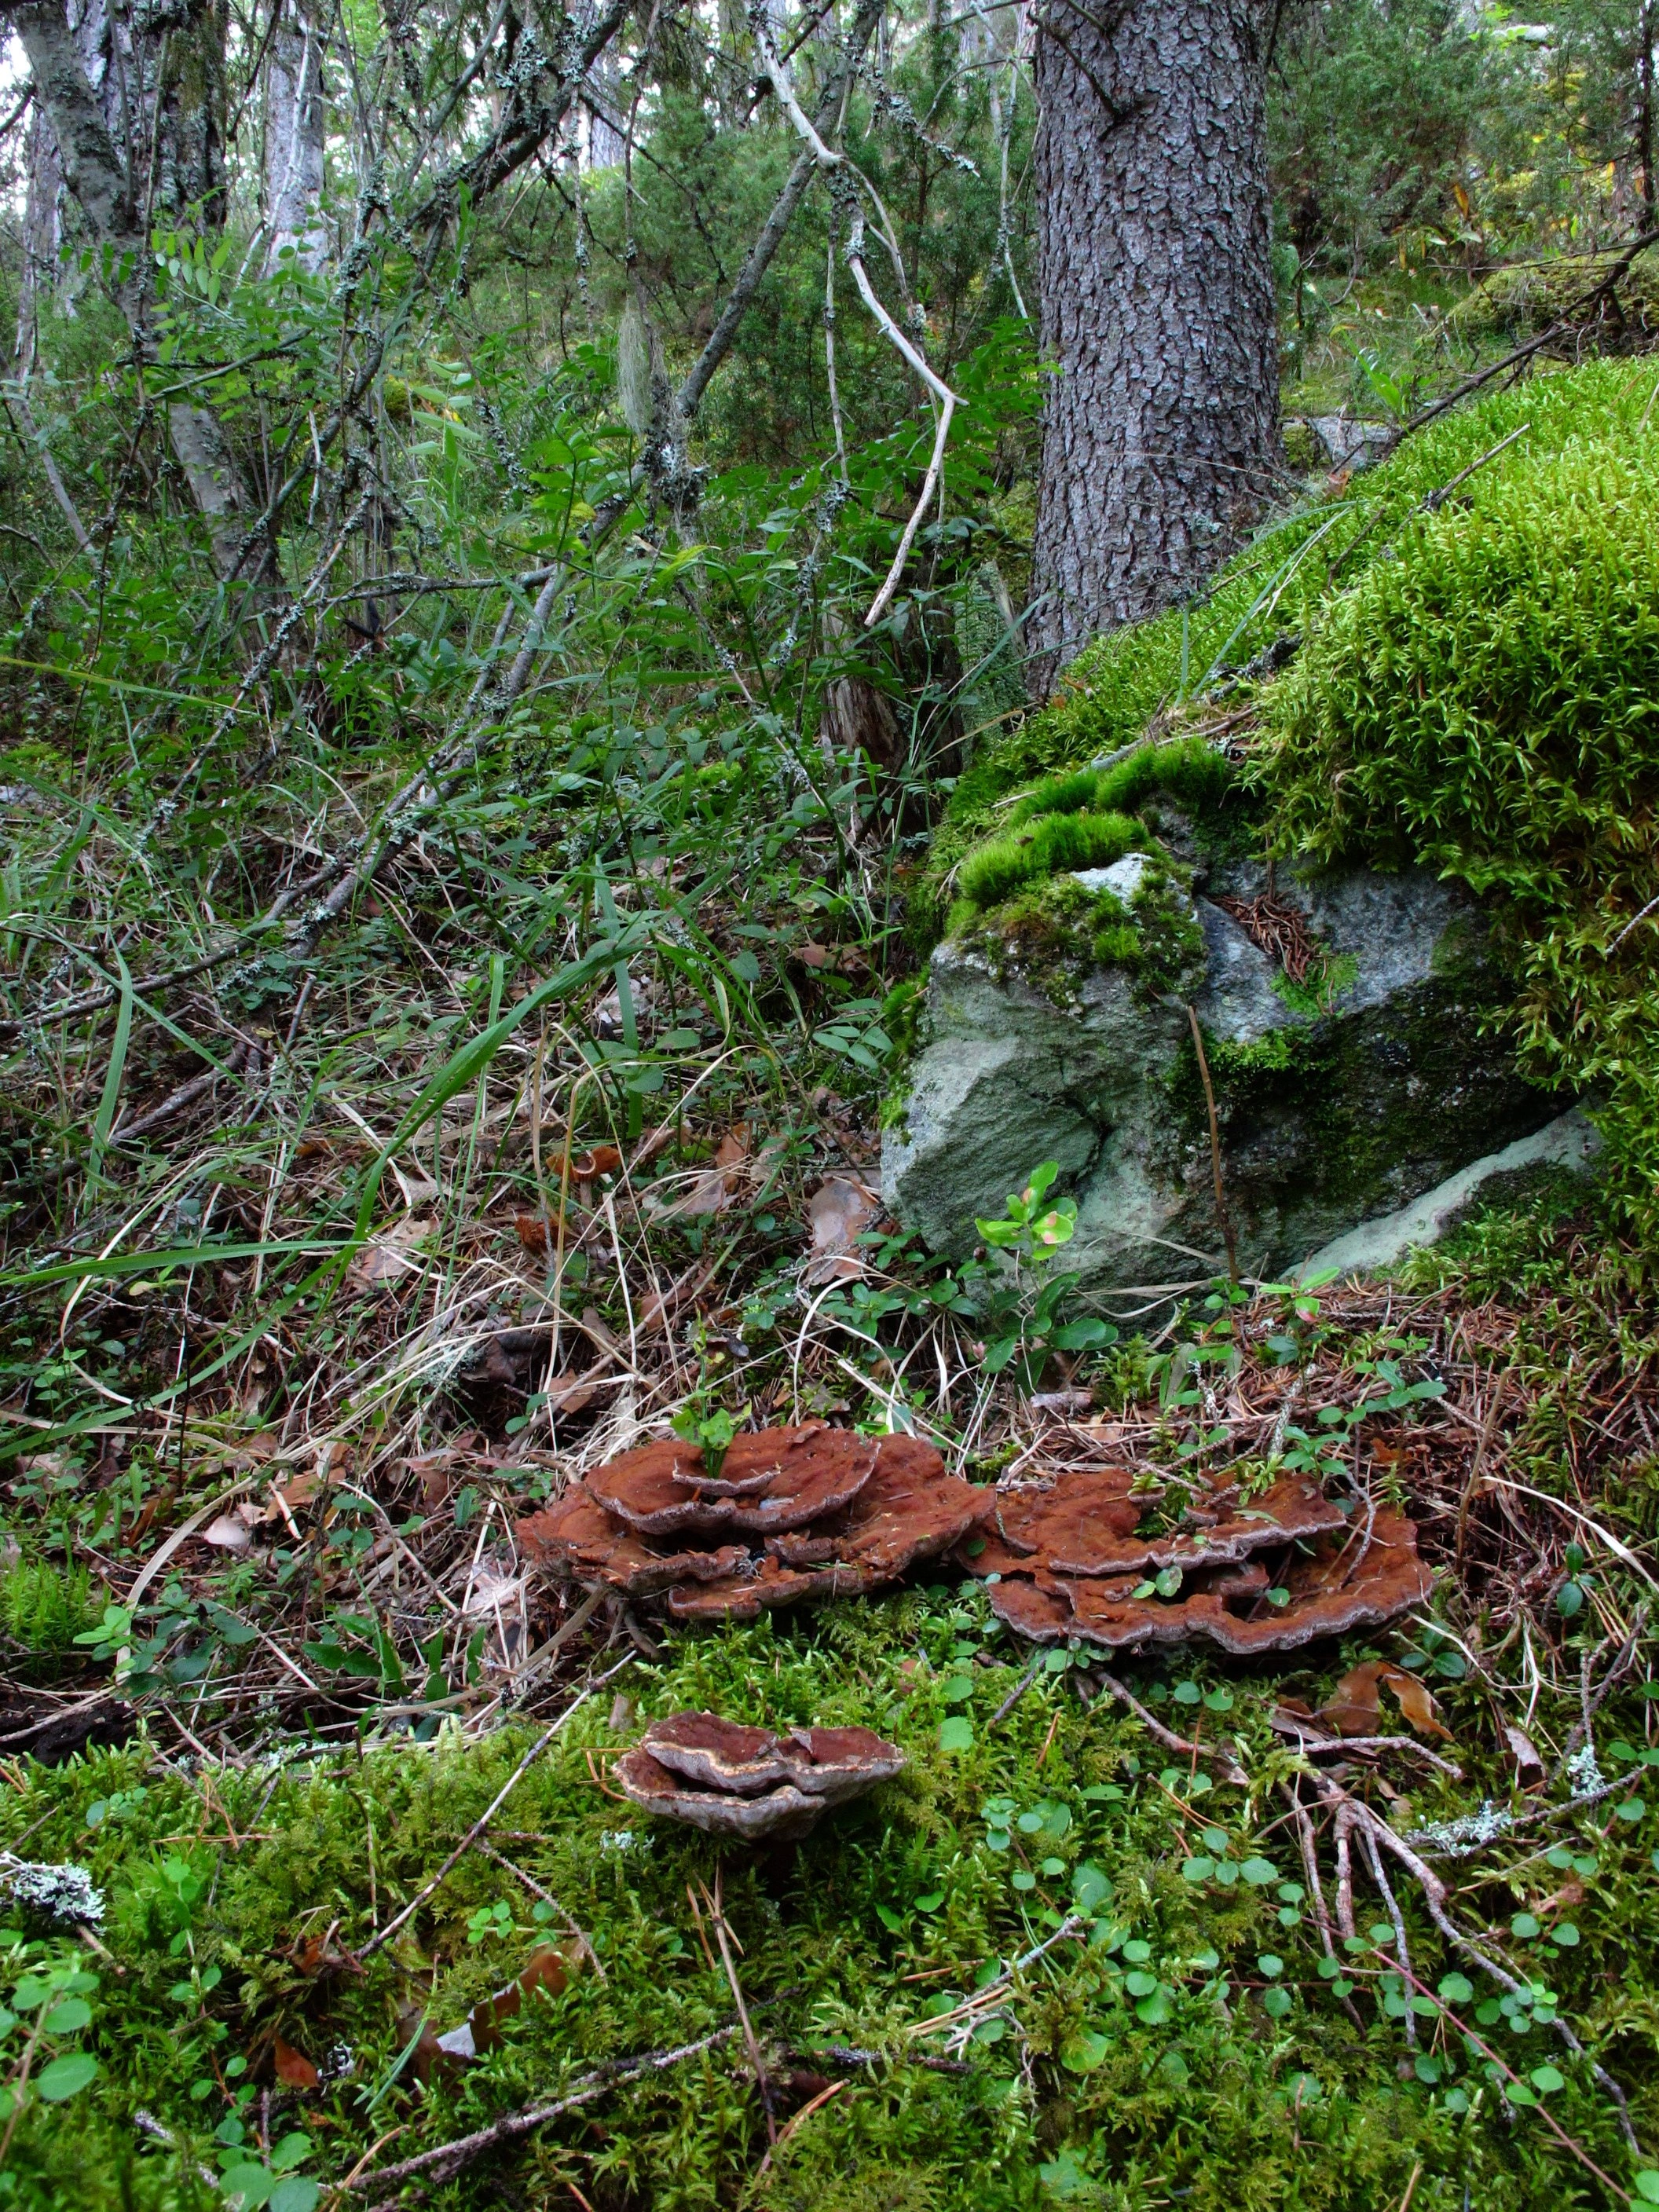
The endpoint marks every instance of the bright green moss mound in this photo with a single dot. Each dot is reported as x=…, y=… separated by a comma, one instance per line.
x=1518, y=303
x=1060, y=842
x=1487, y=704
x=1282, y=586
x=1490, y=699
x=1083, y=820
x=1474, y=688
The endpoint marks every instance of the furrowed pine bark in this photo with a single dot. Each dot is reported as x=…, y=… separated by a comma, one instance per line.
x=1160, y=427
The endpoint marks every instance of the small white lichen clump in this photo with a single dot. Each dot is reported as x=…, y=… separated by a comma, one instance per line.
x=1467, y=1832
x=1585, y=1774
x=63, y=1893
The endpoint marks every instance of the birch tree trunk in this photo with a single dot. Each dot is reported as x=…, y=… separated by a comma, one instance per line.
x=162, y=152
x=1160, y=430
x=296, y=120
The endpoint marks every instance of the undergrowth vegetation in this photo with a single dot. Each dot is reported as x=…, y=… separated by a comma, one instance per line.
x=457, y=954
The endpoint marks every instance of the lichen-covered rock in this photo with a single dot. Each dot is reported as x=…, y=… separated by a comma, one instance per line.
x=1058, y=1029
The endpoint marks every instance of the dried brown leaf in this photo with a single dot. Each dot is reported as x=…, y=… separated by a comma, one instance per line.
x=1354, y=1707
x=294, y=2069
x=386, y=1257
x=838, y=1213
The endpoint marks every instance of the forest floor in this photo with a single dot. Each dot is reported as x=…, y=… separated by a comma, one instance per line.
x=329, y=1257
x=1118, y=1940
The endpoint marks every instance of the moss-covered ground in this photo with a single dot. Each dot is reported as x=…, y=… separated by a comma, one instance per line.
x=1182, y=2037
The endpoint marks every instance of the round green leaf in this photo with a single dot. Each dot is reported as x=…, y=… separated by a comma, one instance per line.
x=1259, y=1872
x=67, y=2076
x=1456, y=1988
x=1187, y=1693
x=1083, y=2052
x=1632, y=1809
x=1646, y=2186
x=1525, y=1925
x=1273, y=1967
x=1140, y=1984
x=1566, y=1936
x=1519, y=2094
x=1090, y=1888
x=64, y=2019
x=1546, y=2078
x=1276, y=2003
x=294, y=2193
x=253, y=2184
x=1022, y=1880
x=1215, y=1839
x=289, y=2151
x=1197, y=1871
x=956, y=1733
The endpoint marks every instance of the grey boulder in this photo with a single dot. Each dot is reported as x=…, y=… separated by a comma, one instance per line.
x=1336, y=1106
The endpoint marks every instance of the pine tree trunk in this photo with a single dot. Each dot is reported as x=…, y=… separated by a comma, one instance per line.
x=1160, y=430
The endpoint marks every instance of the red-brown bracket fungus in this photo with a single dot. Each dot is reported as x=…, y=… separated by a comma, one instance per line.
x=794, y=1514
x=730, y=1780
x=1263, y=1573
